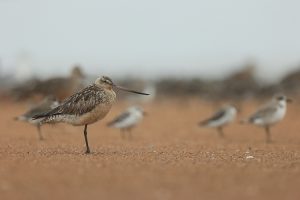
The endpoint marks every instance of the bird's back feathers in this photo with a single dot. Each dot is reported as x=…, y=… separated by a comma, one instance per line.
x=221, y=113
x=119, y=118
x=79, y=103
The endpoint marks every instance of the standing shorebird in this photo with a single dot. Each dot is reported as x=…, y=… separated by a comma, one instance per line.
x=86, y=106
x=270, y=114
x=46, y=105
x=127, y=120
x=220, y=119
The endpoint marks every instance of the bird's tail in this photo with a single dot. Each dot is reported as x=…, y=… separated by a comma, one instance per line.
x=39, y=116
x=110, y=124
x=244, y=121
x=203, y=123
x=19, y=118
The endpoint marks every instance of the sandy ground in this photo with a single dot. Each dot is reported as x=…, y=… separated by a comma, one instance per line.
x=169, y=157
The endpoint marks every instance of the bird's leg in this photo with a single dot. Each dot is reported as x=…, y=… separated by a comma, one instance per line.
x=268, y=134
x=220, y=131
x=39, y=132
x=129, y=134
x=86, y=140
x=122, y=133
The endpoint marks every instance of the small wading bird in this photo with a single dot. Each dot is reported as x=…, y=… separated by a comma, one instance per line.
x=220, y=119
x=127, y=120
x=269, y=114
x=86, y=106
x=44, y=106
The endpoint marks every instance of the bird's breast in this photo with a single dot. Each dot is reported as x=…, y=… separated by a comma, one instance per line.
x=100, y=110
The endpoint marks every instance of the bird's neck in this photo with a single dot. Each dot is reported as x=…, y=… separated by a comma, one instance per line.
x=111, y=93
x=282, y=104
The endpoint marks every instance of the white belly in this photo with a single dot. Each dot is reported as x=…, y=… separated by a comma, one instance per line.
x=271, y=119
x=226, y=119
x=128, y=122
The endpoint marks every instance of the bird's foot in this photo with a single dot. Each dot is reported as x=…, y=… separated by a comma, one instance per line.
x=87, y=151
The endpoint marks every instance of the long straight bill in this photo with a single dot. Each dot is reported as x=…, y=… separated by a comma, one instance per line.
x=128, y=90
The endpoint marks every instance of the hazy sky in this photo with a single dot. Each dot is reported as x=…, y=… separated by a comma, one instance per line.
x=150, y=37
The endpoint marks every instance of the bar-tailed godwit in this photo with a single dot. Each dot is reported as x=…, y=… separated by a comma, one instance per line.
x=86, y=106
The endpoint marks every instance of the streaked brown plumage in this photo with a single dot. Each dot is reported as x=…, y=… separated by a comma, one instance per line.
x=81, y=103
x=86, y=106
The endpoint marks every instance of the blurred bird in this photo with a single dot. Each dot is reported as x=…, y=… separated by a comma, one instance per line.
x=86, y=106
x=270, y=114
x=60, y=87
x=220, y=119
x=127, y=120
x=44, y=106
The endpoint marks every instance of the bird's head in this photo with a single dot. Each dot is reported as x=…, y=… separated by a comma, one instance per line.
x=283, y=98
x=137, y=109
x=104, y=82
x=107, y=83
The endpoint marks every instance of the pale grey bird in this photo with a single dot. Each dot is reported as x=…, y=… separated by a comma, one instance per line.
x=86, y=106
x=45, y=105
x=270, y=114
x=127, y=120
x=221, y=118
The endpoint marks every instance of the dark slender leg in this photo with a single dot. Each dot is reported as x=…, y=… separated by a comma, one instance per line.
x=129, y=134
x=122, y=133
x=39, y=132
x=220, y=131
x=268, y=134
x=86, y=140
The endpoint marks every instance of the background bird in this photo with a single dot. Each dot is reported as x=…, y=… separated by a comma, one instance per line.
x=44, y=106
x=60, y=87
x=220, y=119
x=127, y=120
x=270, y=114
x=86, y=106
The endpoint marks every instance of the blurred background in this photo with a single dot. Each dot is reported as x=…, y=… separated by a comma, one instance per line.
x=191, y=56
x=233, y=49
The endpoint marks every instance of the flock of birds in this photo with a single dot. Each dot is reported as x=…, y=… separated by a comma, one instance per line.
x=266, y=116
x=93, y=103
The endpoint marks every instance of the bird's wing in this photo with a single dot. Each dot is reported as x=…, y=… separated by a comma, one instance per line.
x=119, y=118
x=37, y=110
x=216, y=116
x=42, y=107
x=79, y=103
x=263, y=112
